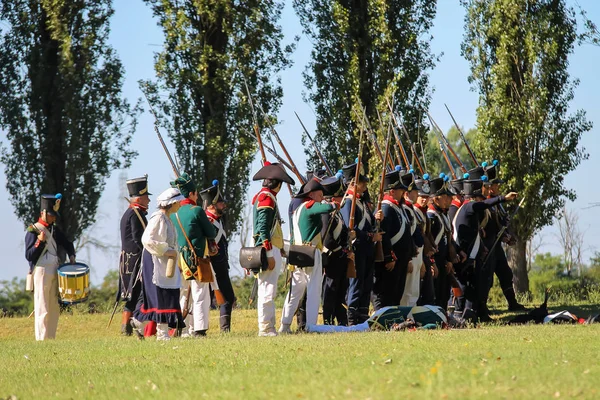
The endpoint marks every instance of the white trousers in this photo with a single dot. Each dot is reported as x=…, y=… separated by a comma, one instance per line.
x=45, y=302
x=412, y=288
x=311, y=280
x=267, y=290
x=198, y=305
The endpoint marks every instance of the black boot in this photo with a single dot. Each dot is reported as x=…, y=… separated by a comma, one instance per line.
x=511, y=298
x=200, y=333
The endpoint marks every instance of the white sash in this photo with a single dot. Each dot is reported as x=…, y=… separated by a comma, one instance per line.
x=363, y=214
x=477, y=242
x=220, y=231
x=421, y=217
x=413, y=222
x=402, y=217
x=444, y=222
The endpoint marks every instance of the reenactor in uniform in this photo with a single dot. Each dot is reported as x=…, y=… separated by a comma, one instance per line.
x=398, y=244
x=499, y=218
x=194, y=230
x=307, y=225
x=335, y=249
x=214, y=205
x=268, y=234
x=417, y=219
x=427, y=293
x=359, y=290
x=133, y=223
x=46, y=248
x=441, y=230
x=467, y=233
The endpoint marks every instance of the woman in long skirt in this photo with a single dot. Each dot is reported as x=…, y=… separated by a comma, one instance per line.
x=160, y=292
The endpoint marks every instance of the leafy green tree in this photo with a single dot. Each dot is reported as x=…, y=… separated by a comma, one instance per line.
x=14, y=300
x=210, y=46
x=519, y=56
x=61, y=107
x=365, y=51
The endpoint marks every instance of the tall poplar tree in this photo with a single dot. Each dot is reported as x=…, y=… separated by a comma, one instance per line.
x=210, y=47
x=66, y=124
x=519, y=55
x=365, y=50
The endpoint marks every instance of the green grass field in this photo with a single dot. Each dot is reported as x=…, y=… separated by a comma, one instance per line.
x=492, y=362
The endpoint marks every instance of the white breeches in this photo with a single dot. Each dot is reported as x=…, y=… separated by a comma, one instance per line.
x=412, y=288
x=45, y=302
x=267, y=290
x=309, y=279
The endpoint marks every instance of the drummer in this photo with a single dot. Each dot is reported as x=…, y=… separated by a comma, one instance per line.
x=45, y=249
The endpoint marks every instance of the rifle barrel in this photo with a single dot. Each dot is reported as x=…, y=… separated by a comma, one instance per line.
x=319, y=154
x=462, y=136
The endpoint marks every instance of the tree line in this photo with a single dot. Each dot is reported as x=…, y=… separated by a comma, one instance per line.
x=68, y=126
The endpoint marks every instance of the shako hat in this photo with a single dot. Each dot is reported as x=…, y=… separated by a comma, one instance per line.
x=439, y=186
x=349, y=172
x=423, y=186
x=393, y=181
x=51, y=204
x=211, y=195
x=138, y=186
x=472, y=187
x=332, y=185
x=491, y=171
x=185, y=184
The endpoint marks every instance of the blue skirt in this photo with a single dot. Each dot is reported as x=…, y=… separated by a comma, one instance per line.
x=159, y=305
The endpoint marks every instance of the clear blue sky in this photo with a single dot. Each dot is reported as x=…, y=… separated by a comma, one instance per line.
x=136, y=38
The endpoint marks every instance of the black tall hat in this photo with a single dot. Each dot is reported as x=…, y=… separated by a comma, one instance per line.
x=408, y=180
x=472, y=187
x=138, y=186
x=475, y=173
x=423, y=185
x=491, y=171
x=50, y=203
x=349, y=172
x=439, y=187
x=393, y=181
x=211, y=195
x=333, y=185
x=311, y=186
x=457, y=185
x=273, y=171
x=320, y=173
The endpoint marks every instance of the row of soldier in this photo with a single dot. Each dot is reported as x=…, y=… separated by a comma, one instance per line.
x=438, y=238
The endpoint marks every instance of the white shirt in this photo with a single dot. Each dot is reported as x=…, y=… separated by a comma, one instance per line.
x=159, y=237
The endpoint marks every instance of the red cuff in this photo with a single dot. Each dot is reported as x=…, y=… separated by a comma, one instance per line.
x=267, y=245
x=394, y=256
x=37, y=243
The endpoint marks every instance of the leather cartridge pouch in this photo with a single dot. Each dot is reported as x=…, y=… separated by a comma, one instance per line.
x=302, y=255
x=253, y=258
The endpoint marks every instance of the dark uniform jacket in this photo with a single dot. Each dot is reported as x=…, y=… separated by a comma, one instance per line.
x=34, y=248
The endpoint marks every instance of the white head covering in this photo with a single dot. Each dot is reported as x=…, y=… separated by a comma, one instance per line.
x=169, y=196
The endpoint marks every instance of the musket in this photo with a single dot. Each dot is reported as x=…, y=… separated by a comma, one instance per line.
x=441, y=135
x=255, y=122
x=273, y=153
x=462, y=136
x=319, y=154
x=369, y=127
x=351, y=265
x=410, y=143
x=394, y=147
x=401, y=148
x=285, y=152
x=444, y=154
x=160, y=138
x=379, y=256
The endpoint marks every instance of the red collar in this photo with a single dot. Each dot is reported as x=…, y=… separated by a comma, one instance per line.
x=456, y=203
x=187, y=201
x=409, y=204
x=44, y=223
x=138, y=205
x=436, y=208
x=308, y=203
x=211, y=216
x=391, y=199
x=350, y=192
x=423, y=209
x=265, y=189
